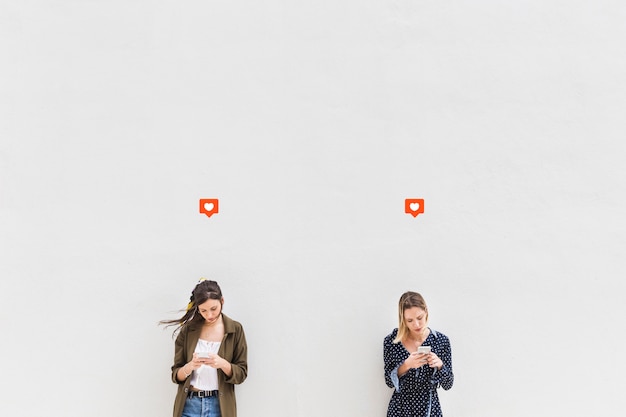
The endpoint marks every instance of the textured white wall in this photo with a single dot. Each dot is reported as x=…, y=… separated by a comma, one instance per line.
x=312, y=122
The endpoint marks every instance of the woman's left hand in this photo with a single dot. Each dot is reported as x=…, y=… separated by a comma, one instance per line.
x=215, y=361
x=434, y=361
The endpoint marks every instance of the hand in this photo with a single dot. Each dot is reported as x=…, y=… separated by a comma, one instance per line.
x=434, y=361
x=196, y=362
x=215, y=361
x=417, y=360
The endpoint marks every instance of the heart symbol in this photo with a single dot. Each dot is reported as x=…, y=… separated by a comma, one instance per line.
x=414, y=206
x=209, y=206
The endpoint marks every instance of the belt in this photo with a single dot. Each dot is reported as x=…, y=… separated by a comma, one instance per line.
x=202, y=394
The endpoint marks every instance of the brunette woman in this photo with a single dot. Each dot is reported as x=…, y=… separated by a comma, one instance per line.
x=210, y=356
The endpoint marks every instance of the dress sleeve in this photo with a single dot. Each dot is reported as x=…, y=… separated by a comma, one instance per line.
x=445, y=377
x=391, y=365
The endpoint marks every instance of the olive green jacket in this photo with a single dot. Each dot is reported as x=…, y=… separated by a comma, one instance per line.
x=233, y=348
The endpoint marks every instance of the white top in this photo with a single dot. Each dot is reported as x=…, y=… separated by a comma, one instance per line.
x=205, y=378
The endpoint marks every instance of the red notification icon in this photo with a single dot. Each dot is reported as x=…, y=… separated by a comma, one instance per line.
x=414, y=206
x=209, y=206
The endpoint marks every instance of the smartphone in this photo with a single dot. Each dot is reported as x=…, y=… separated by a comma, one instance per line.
x=202, y=354
x=423, y=349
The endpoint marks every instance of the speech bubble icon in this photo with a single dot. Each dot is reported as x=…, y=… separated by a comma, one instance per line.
x=209, y=206
x=414, y=206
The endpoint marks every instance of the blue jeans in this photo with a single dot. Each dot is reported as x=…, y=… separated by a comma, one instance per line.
x=202, y=407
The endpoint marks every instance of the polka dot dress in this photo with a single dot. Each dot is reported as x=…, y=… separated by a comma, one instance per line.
x=415, y=392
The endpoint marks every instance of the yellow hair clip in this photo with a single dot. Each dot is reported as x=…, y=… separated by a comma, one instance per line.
x=190, y=305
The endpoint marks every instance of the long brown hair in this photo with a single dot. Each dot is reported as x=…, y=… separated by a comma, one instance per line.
x=408, y=300
x=203, y=291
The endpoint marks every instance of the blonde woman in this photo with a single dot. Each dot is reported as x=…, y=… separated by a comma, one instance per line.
x=418, y=360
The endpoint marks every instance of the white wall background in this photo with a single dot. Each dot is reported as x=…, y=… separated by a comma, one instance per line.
x=312, y=122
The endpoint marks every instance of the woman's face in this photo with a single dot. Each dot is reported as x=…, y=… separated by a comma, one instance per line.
x=210, y=310
x=415, y=319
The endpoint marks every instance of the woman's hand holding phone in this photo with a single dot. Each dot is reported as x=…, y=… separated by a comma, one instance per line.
x=434, y=361
x=198, y=360
x=424, y=356
x=417, y=360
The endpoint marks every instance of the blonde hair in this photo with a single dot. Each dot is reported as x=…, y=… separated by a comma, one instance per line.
x=408, y=300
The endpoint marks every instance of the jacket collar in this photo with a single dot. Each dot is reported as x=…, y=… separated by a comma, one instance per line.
x=194, y=330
